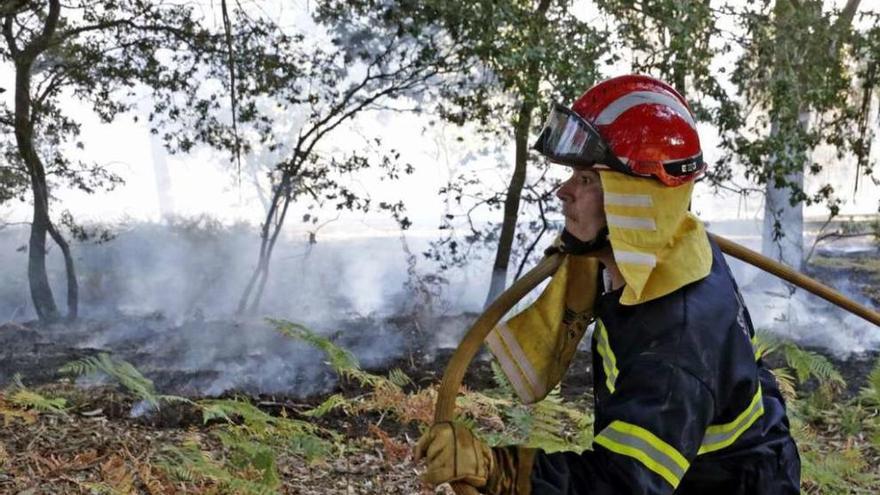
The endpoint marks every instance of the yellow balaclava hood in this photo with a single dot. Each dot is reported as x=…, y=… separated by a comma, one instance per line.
x=658, y=246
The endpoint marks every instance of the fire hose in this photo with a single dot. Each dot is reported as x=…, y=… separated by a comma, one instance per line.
x=444, y=409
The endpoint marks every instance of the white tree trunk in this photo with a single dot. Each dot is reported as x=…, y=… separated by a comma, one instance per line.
x=786, y=245
x=783, y=231
x=497, y=286
x=163, y=178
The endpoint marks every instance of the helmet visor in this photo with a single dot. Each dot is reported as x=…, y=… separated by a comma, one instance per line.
x=570, y=140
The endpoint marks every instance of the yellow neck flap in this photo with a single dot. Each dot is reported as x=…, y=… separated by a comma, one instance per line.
x=659, y=246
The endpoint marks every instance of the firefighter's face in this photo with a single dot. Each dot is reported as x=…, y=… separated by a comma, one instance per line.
x=581, y=197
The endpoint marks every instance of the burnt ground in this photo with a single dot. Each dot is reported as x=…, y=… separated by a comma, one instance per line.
x=36, y=353
x=199, y=358
x=858, y=270
x=210, y=358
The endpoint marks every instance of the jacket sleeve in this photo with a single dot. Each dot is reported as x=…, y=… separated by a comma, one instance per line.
x=655, y=421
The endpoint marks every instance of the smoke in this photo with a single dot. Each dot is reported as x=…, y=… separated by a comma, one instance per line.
x=163, y=297
x=797, y=315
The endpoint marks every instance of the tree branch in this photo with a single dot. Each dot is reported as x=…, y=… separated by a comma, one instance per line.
x=544, y=226
x=10, y=37
x=848, y=13
x=233, y=101
x=55, y=81
x=41, y=42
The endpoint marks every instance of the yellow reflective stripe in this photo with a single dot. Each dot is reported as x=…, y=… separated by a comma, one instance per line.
x=640, y=444
x=719, y=436
x=754, y=340
x=609, y=362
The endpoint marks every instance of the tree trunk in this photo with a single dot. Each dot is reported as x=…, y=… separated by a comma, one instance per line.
x=163, y=178
x=518, y=179
x=783, y=229
x=281, y=198
x=245, y=301
x=264, y=273
x=38, y=279
x=41, y=291
x=782, y=236
x=511, y=202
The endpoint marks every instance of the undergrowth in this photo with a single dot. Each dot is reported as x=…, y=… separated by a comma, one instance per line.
x=242, y=445
x=251, y=439
x=495, y=414
x=20, y=403
x=838, y=440
x=122, y=372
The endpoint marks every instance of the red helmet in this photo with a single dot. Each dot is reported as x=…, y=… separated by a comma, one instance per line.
x=634, y=124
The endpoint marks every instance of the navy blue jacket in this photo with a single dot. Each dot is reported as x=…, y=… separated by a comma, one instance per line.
x=681, y=403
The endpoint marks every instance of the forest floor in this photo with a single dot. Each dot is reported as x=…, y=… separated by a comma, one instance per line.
x=98, y=443
x=74, y=433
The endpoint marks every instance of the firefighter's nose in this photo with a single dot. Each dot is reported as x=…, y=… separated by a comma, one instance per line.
x=564, y=193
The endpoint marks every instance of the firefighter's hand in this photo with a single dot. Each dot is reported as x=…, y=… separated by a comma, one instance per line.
x=453, y=453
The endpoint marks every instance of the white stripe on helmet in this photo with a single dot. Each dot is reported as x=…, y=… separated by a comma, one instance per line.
x=625, y=102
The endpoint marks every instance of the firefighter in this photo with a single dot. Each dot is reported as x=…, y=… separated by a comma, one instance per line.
x=682, y=403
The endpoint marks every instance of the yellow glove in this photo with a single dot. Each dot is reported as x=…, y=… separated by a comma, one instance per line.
x=453, y=453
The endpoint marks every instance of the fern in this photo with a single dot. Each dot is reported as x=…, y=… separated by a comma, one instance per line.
x=399, y=378
x=342, y=361
x=558, y=426
x=299, y=437
x=808, y=364
x=247, y=454
x=175, y=399
x=551, y=424
x=765, y=344
x=500, y=379
x=335, y=401
x=851, y=418
x=190, y=463
x=253, y=418
x=123, y=372
x=870, y=393
x=786, y=383
x=29, y=399
x=837, y=472
x=22, y=397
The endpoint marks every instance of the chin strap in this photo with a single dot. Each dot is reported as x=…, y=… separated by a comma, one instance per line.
x=572, y=245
